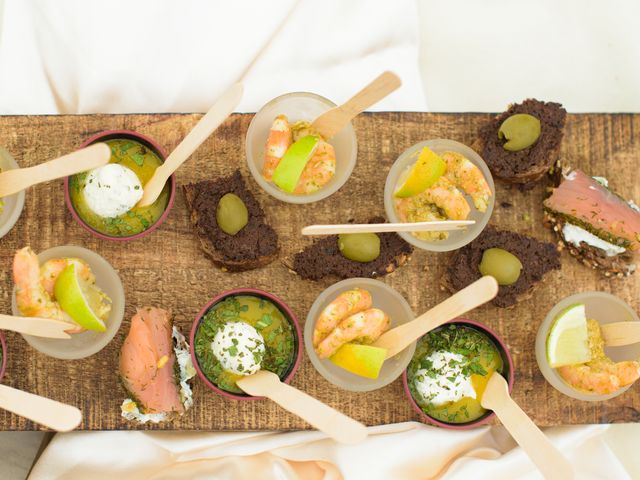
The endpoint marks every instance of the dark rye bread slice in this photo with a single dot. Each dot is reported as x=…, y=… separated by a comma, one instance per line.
x=323, y=258
x=527, y=166
x=537, y=258
x=621, y=265
x=255, y=246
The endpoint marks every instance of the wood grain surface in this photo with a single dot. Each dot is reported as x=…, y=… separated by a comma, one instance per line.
x=168, y=269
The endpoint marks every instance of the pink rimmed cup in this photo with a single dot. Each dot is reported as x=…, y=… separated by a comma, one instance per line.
x=283, y=307
x=147, y=142
x=3, y=363
x=507, y=372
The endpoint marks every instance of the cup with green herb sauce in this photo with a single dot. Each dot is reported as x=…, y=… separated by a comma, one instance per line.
x=450, y=370
x=240, y=332
x=104, y=200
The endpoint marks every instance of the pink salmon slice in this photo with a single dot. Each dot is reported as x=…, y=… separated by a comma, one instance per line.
x=584, y=199
x=147, y=362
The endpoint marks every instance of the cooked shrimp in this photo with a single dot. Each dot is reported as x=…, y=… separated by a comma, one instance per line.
x=51, y=269
x=466, y=176
x=601, y=375
x=365, y=326
x=279, y=141
x=345, y=305
x=318, y=171
x=32, y=299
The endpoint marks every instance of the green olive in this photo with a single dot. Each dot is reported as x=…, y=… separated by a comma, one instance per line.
x=359, y=247
x=231, y=214
x=520, y=131
x=504, y=266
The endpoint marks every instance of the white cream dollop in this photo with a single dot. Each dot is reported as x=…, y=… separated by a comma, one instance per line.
x=112, y=190
x=449, y=385
x=239, y=348
x=574, y=234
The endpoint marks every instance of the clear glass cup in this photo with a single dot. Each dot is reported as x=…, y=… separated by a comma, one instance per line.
x=89, y=342
x=299, y=106
x=12, y=205
x=600, y=306
x=456, y=239
x=385, y=298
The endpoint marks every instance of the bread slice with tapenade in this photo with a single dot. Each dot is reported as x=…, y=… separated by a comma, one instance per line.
x=254, y=246
x=526, y=166
x=323, y=258
x=537, y=259
x=596, y=225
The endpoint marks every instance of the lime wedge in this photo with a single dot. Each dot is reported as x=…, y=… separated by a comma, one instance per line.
x=425, y=172
x=568, y=340
x=363, y=360
x=288, y=171
x=85, y=303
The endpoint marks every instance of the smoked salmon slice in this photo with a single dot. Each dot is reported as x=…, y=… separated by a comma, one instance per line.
x=148, y=362
x=587, y=203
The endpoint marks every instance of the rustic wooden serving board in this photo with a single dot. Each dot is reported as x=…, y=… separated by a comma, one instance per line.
x=169, y=270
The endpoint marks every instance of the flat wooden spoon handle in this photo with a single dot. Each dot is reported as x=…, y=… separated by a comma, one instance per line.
x=439, y=226
x=321, y=416
x=536, y=445
x=203, y=129
x=39, y=327
x=618, y=334
x=470, y=297
x=93, y=156
x=331, y=122
x=50, y=413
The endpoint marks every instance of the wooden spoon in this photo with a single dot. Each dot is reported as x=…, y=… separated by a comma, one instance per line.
x=205, y=127
x=50, y=413
x=16, y=180
x=551, y=463
x=321, y=416
x=470, y=297
x=36, y=326
x=334, y=120
x=437, y=226
x=620, y=333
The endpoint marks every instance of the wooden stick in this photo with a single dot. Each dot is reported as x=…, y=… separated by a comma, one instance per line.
x=437, y=226
x=217, y=114
x=39, y=327
x=620, y=333
x=94, y=156
x=321, y=416
x=551, y=463
x=332, y=121
x=50, y=413
x=399, y=338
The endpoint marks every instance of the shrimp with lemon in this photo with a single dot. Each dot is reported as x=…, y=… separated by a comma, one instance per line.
x=318, y=170
x=600, y=375
x=38, y=293
x=434, y=189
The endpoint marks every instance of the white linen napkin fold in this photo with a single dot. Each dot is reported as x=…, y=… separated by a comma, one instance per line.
x=402, y=451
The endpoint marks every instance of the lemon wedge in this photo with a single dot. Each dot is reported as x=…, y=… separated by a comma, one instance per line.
x=425, y=172
x=363, y=360
x=85, y=303
x=568, y=340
